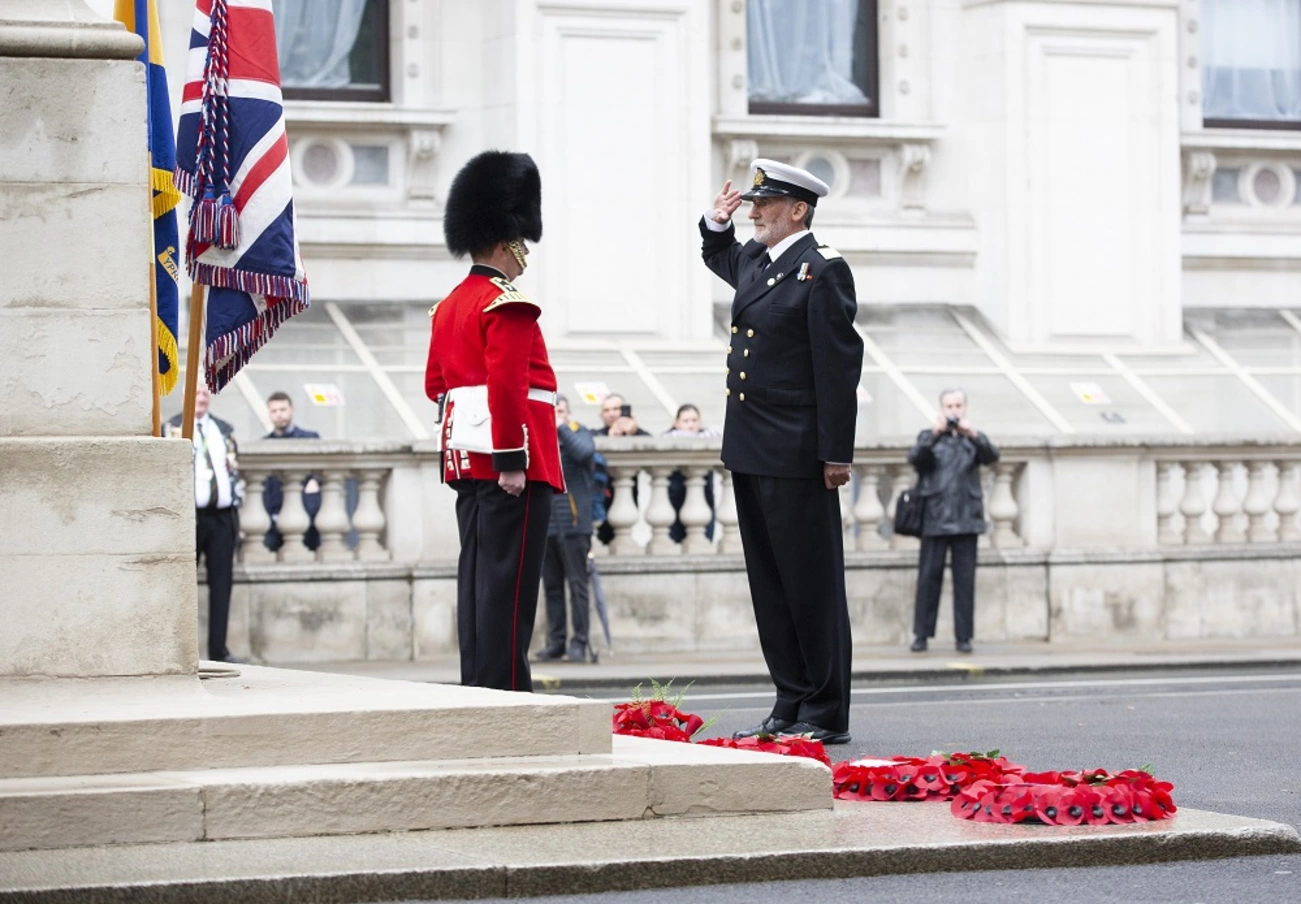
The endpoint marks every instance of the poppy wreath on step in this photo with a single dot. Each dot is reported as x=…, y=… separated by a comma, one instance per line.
x=1095, y=798
x=789, y=745
x=941, y=776
x=655, y=719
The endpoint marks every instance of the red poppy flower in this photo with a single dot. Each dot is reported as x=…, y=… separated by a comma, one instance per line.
x=1071, y=807
x=1118, y=800
x=965, y=804
x=1095, y=811
x=930, y=781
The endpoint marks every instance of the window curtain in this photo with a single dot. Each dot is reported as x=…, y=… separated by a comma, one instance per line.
x=1251, y=59
x=802, y=51
x=314, y=39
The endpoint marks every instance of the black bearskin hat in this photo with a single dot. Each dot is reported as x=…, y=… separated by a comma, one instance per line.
x=496, y=197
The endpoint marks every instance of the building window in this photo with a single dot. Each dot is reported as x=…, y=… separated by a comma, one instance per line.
x=1251, y=63
x=333, y=49
x=812, y=57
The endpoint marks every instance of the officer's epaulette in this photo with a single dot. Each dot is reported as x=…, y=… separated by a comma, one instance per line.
x=828, y=252
x=509, y=295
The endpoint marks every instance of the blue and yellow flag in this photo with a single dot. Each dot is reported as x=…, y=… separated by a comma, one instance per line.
x=141, y=16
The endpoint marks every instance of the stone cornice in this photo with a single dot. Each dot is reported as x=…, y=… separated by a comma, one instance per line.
x=42, y=29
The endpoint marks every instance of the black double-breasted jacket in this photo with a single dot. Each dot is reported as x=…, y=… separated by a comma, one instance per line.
x=794, y=359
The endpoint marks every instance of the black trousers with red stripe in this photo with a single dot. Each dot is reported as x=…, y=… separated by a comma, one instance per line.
x=503, y=540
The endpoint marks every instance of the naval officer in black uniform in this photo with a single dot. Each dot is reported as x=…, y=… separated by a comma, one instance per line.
x=793, y=367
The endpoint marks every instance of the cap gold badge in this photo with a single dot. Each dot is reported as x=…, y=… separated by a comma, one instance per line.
x=759, y=176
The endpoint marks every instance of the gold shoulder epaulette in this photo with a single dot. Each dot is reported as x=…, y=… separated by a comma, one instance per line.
x=828, y=252
x=509, y=295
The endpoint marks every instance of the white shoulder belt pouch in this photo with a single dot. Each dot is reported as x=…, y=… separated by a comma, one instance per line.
x=471, y=421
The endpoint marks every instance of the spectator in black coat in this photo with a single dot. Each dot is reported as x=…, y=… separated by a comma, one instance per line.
x=948, y=456
x=569, y=541
x=280, y=408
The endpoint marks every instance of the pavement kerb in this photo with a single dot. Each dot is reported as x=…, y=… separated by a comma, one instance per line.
x=853, y=840
x=951, y=671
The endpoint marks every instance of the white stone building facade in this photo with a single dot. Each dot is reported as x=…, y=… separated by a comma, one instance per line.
x=1046, y=162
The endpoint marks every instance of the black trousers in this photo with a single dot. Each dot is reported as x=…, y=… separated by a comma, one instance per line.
x=795, y=560
x=217, y=531
x=930, y=581
x=503, y=539
x=566, y=563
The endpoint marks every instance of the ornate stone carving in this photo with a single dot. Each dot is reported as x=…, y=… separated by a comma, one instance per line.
x=422, y=149
x=1199, y=168
x=913, y=160
x=740, y=151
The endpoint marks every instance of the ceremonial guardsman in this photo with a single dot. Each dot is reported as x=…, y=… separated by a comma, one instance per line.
x=793, y=366
x=489, y=372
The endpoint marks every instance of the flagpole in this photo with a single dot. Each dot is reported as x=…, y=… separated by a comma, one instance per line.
x=193, y=359
x=156, y=380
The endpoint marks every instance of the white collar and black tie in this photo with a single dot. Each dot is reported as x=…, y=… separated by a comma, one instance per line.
x=211, y=468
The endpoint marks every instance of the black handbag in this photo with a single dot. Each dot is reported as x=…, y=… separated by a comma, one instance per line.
x=909, y=513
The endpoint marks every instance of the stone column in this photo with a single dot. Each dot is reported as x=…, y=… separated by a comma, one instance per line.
x=100, y=580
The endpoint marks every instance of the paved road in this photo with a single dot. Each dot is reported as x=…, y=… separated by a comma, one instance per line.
x=1230, y=742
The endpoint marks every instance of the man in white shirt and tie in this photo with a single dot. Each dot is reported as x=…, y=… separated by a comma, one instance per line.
x=217, y=492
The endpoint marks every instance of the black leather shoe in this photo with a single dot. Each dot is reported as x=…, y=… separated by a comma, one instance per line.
x=769, y=726
x=825, y=735
x=963, y=646
x=919, y=645
x=549, y=654
x=233, y=660
x=580, y=653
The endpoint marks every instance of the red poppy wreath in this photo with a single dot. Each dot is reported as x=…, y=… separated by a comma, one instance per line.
x=985, y=787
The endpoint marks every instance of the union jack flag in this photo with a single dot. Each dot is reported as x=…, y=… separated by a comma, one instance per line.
x=233, y=160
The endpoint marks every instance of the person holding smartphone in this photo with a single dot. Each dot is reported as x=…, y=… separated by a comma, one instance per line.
x=948, y=456
x=616, y=420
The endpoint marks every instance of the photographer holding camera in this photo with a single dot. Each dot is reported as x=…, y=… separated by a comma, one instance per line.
x=948, y=457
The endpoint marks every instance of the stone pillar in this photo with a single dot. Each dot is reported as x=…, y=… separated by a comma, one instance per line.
x=100, y=579
x=1043, y=79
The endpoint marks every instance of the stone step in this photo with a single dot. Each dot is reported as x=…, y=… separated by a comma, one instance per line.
x=519, y=862
x=638, y=779
x=277, y=717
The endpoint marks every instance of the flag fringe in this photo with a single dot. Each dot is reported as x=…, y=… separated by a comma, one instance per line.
x=227, y=354
x=187, y=183
x=168, y=352
x=166, y=197
x=247, y=281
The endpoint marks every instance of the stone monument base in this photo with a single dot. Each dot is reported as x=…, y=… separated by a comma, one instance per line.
x=270, y=753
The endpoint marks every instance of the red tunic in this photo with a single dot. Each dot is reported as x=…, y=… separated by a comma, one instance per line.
x=486, y=332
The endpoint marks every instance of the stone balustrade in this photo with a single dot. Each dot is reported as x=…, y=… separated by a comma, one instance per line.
x=1038, y=496
x=352, y=520
x=868, y=502
x=1228, y=496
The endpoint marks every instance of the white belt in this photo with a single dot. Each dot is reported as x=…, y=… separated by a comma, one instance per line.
x=542, y=395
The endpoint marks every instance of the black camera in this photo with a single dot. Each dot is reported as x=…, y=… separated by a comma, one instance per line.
x=625, y=411
x=952, y=422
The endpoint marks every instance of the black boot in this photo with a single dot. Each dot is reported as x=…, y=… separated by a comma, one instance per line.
x=580, y=652
x=550, y=653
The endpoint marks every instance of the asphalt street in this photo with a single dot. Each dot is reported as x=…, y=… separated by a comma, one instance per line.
x=1229, y=742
